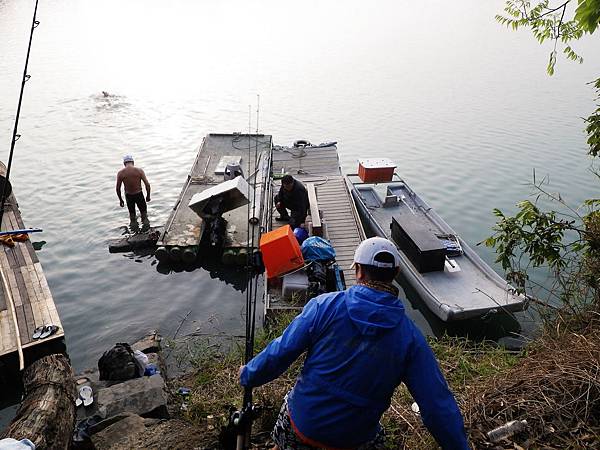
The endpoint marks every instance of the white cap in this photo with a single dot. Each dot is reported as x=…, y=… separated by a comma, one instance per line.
x=127, y=158
x=369, y=248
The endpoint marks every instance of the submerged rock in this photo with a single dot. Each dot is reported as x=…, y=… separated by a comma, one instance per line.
x=148, y=344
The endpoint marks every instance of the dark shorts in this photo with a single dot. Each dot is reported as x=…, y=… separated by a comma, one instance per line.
x=285, y=437
x=136, y=199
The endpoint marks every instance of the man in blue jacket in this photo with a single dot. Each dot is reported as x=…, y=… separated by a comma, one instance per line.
x=360, y=346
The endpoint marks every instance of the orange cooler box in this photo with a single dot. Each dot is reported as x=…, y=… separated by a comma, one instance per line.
x=377, y=170
x=280, y=251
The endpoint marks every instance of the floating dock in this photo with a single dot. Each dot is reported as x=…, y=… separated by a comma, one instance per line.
x=332, y=212
x=32, y=304
x=184, y=228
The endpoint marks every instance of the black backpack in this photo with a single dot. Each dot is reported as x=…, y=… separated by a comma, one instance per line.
x=118, y=364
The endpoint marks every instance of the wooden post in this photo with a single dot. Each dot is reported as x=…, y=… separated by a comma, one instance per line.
x=315, y=216
x=47, y=414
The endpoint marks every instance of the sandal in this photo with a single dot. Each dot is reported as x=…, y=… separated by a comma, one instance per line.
x=49, y=330
x=38, y=332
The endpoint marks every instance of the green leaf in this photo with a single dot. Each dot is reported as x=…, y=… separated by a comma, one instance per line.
x=587, y=15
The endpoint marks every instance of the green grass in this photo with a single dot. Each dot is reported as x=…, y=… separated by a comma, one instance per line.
x=463, y=361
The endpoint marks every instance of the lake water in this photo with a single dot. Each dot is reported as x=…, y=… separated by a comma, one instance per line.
x=463, y=105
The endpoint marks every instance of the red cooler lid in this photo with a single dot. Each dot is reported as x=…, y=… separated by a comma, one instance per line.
x=377, y=163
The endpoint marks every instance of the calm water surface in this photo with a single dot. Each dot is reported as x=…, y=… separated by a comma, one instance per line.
x=462, y=105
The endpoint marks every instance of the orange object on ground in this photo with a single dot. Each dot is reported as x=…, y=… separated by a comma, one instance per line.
x=280, y=251
x=377, y=170
x=10, y=239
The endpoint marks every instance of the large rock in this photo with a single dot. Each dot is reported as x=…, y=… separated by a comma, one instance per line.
x=120, y=434
x=145, y=396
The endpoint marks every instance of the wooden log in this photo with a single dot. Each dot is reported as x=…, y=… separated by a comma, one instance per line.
x=47, y=414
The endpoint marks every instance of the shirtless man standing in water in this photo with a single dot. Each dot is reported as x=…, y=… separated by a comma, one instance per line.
x=132, y=178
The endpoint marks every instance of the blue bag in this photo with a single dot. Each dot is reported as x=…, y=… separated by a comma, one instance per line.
x=316, y=248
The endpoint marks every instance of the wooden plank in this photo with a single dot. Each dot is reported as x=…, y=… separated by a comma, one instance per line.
x=13, y=220
x=339, y=223
x=332, y=233
x=325, y=190
x=333, y=210
x=10, y=257
x=12, y=281
x=343, y=216
x=21, y=286
x=22, y=324
x=40, y=313
x=19, y=254
x=339, y=243
x=30, y=319
x=19, y=220
x=338, y=234
x=38, y=318
x=43, y=282
x=23, y=251
x=17, y=223
x=334, y=200
x=339, y=230
x=335, y=222
x=7, y=343
x=314, y=210
x=46, y=295
x=352, y=239
x=32, y=253
x=3, y=342
x=32, y=300
x=54, y=318
x=344, y=247
x=36, y=285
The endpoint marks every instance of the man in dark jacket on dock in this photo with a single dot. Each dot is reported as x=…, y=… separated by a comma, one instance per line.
x=293, y=196
x=360, y=346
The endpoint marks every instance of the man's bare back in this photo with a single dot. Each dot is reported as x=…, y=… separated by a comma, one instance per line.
x=131, y=177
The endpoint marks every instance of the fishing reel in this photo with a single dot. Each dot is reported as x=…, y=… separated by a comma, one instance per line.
x=236, y=434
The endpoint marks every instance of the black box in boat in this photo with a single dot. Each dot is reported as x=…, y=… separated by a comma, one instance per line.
x=423, y=248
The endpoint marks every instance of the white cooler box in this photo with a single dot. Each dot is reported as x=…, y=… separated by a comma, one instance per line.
x=295, y=284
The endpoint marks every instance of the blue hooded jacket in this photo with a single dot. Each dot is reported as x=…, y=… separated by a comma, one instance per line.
x=360, y=347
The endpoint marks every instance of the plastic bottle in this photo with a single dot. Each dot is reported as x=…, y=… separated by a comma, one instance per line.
x=506, y=430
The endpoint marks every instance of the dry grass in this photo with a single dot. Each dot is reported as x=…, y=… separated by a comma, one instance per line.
x=556, y=388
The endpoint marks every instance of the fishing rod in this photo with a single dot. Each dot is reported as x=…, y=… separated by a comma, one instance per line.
x=243, y=418
x=16, y=136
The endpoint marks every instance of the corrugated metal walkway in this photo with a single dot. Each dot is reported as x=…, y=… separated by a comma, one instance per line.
x=320, y=165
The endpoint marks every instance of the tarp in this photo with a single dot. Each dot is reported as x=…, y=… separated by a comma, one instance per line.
x=316, y=248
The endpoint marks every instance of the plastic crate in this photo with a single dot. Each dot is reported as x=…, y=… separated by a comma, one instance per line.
x=281, y=252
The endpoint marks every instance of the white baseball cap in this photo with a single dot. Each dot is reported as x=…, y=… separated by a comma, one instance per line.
x=127, y=158
x=369, y=248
